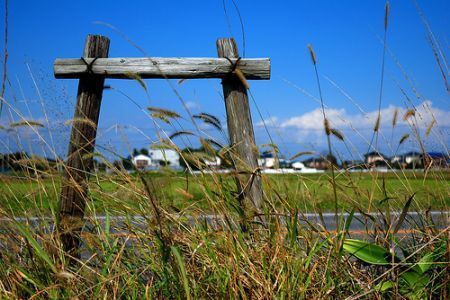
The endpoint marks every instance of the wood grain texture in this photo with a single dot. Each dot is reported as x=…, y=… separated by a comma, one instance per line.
x=157, y=67
x=242, y=138
x=82, y=142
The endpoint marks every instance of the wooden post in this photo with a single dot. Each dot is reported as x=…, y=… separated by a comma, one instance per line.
x=242, y=138
x=82, y=143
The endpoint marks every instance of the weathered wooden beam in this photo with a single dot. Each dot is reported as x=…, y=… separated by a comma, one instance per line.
x=242, y=138
x=81, y=146
x=157, y=67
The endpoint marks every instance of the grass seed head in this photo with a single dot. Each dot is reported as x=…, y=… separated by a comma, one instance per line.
x=403, y=138
x=312, y=53
x=395, y=117
x=409, y=113
x=427, y=133
x=138, y=78
x=386, y=15
x=209, y=119
x=81, y=121
x=208, y=147
x=163, y=114
x=214, y=143
x=377, y=123
x=327, y=127
x=184, y=193
x=337, y=133
x=178, y=133
x=26, y=123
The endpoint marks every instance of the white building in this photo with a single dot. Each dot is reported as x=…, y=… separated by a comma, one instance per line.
x=300, y=167
x=213, y=162
x=375, y=158
x=164, y=157
x=141, y=161
x=268, y=161
x=412, y=157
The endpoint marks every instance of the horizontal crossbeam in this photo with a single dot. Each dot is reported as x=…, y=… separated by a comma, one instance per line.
x=158, y=67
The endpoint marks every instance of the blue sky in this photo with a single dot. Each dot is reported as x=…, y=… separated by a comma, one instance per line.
x=346, y=36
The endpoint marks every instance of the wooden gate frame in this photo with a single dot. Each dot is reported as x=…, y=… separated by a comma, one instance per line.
x=92, y=69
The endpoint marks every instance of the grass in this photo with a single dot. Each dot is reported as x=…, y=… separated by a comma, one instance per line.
x=282, y=259
x=178, y=192
x=171, y=258
x=161, y=255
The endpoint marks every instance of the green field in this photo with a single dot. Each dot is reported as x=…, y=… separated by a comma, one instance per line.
x=177, y=192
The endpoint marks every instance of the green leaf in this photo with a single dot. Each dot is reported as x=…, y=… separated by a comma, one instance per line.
x=349, y=219
x=415, y=280
x=38, y=250
x=384, y=286
x=182, y=270
x=425, y=263
x=403, y=214
x=367, y=252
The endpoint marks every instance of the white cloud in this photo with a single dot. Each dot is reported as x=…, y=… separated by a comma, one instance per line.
x=267, y=122
x=192, y=105
x=339, y=118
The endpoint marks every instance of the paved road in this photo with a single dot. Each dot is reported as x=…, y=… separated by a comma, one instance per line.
x=361, y=223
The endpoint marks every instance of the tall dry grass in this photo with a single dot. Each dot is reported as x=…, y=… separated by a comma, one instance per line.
x=151, y=247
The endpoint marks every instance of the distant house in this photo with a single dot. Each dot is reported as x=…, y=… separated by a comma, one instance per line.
x=141, y=161
x=376, y=159
x=285, y=164
x=267, y=160
x=408, y=160
x=4, y=163
x=353, y=164
x=407, y=157
x=437, y=160
x=164, y=157
x=213, y=162
x=412, y=157
x=300, y=167
x=319, y=163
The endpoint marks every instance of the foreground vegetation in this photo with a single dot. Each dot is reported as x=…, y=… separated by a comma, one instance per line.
x=22, y=195
x=168, y=257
